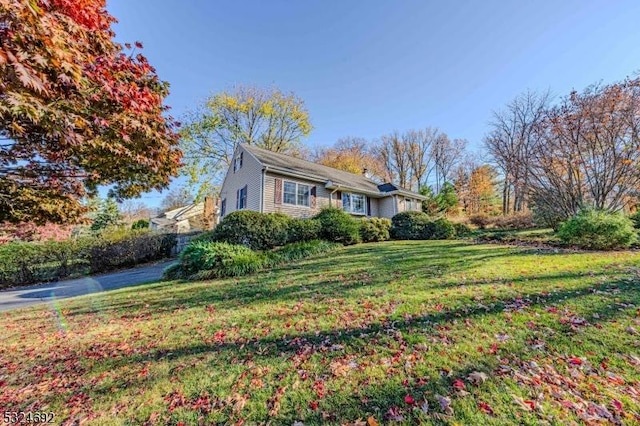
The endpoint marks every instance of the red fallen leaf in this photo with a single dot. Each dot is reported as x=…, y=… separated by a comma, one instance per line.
x=459, y=384
x=617, y=404
x=575, y=361
x=485, y=408
x=409, y=400
x=313, y=405
x=494, y=349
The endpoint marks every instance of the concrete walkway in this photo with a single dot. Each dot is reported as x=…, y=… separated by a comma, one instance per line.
x=40, y=293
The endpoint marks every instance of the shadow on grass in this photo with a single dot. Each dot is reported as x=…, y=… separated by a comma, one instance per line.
x=377, y=398
x=368, y=265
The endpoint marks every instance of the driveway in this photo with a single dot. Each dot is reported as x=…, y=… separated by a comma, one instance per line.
x=41, y=293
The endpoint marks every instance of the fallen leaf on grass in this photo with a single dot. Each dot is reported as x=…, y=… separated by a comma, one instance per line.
x=371, y=421
x=526, y=405
x=445, y=404
x=485, y=408
x=477, y=377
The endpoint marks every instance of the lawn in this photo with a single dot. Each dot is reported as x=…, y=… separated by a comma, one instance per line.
x=409, y=332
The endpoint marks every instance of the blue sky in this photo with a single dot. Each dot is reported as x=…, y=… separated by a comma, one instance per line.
x=366, y=68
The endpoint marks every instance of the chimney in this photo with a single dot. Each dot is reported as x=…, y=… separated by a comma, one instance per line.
x=208, y=213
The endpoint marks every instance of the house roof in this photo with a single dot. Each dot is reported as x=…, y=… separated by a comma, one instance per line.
x=330, y=176
x=185, y=212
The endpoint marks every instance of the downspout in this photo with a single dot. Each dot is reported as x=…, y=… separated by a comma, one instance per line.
x=264, y=170
x=395, y=205
x=331, y=196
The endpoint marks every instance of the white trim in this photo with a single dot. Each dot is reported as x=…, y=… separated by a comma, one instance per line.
x=351, y=211
x=297, y=185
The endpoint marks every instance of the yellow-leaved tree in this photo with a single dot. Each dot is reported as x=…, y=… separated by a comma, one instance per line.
x=267, y=118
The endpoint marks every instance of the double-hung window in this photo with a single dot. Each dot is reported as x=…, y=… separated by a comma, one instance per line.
x=354, y=203
x=411, y=204
x=242, y=198
x=237, y=163
x=296, y=194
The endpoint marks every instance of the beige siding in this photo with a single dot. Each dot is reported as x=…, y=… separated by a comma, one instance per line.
x=270, y=206
x=402, y=204
x=249, y=174
x=388, y=207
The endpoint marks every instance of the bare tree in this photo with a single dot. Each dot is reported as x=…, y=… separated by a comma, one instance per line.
x=419, y=145
x=393, y=153
x=176, y=198
x=511, y=141
x=446, y=153
x=132, y=210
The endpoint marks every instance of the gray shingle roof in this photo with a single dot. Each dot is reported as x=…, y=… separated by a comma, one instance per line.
x=298, y=166
x=288, y=164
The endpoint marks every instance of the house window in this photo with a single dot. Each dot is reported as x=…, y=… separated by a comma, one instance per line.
x=223, y=207
x=353, y=203
x=242, y=198
x=296, y=194
x=411, y=204
x=237, y=163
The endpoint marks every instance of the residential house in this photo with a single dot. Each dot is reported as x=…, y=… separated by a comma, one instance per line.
x=191, y=218
x=266, y=181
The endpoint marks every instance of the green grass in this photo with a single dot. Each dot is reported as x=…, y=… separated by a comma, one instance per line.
x=338, y=338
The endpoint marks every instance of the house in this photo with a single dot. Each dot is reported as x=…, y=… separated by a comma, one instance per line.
x=268, y=182
x=191, y=218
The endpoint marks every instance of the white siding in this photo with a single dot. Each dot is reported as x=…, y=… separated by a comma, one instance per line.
x=250, y=174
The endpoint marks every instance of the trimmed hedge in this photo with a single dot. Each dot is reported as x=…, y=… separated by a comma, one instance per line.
x=202, y=260
x=409, y=225
x=303, y=230
x=375, y=229
x=128, y=249
x=418, y=226
x=462, y=230
x=258, y=231
x=338, y=226
x=219, y=259
x=32, y=262
x=598, y=230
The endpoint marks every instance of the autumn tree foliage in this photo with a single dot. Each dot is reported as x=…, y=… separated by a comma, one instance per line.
x=352, y=154
x=589, y=151
x=268, y=118
x=76, y=112
x=476, y=187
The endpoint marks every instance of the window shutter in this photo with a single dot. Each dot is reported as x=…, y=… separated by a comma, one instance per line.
x=237, y=199
x=278, y=191
x=339, y=199
x=313, y=197
x=241, y=154
x=246, y=197
x=368, y=206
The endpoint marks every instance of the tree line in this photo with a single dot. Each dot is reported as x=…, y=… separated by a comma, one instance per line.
x=558, y=158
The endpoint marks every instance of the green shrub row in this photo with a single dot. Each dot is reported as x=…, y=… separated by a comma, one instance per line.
x=202, y=260
x=598, y=230
x=419, y=226
x=31, y=262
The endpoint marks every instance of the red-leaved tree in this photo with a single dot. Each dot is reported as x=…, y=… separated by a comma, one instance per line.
x=76, y=112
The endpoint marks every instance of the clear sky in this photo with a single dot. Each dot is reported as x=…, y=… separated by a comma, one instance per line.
x=365, y=68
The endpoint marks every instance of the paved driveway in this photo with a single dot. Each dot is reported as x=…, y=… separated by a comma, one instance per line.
x=41, y=293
